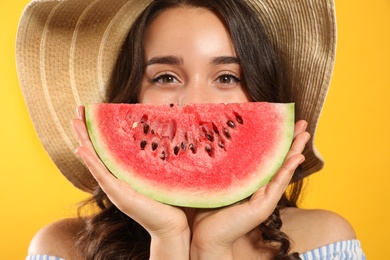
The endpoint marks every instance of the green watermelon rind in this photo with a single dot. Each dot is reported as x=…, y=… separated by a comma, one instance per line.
x=175, y=197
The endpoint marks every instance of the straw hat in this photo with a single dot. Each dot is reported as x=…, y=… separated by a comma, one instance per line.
x=66, y=50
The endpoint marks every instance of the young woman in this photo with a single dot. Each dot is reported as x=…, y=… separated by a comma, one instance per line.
x=191, y=51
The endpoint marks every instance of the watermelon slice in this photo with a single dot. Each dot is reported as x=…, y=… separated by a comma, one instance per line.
x=198, y=155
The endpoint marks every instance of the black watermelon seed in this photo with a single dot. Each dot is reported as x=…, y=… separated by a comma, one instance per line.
x=146, y=128
x=162, y=155
x=230, y=124
x=215, y=128
x=143, y=144
x=239, y=119
x=176, y=150
x=154, y=146
x=227, y=133
x=208, y=149
x=171, y=105
x=183, y=146
x=220, y=144
x=144, y=118
x=192, y=148
x=210, y=137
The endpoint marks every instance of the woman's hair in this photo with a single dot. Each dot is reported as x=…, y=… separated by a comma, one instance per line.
x=110, y=234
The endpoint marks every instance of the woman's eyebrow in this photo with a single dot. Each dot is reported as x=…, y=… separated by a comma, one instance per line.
x=225, y=60
x=169, y=59
x=176, y=60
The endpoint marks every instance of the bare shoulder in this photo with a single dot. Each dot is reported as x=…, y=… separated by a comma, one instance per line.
x=313, y=228
x=56, y=239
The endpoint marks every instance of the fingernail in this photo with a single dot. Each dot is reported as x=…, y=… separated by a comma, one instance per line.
x=305, y=126
x=78, y=113
x=302, y=159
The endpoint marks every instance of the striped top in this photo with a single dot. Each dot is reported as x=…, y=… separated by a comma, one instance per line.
x=343, y=250
x=43, y=257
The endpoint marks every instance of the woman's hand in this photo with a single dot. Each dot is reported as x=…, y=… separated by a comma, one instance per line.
x=166, y=224
x=215, y=231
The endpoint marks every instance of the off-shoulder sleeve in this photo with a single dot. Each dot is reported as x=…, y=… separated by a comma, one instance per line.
x=342, y=250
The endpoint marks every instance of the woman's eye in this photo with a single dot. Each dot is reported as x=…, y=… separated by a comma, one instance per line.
x=227, y=79
x=165, y=78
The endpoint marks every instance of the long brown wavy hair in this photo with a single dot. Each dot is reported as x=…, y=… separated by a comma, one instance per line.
x=109, y=233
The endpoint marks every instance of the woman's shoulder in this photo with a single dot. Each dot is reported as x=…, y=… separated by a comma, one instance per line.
x=313, y=228
x=56, y=239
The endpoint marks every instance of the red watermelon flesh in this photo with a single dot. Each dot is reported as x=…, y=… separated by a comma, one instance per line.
x=197, y=155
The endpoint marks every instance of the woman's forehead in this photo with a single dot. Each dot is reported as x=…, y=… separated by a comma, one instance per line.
x=181, y=30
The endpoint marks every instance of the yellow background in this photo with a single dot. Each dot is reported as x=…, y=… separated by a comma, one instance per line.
x=352, y=137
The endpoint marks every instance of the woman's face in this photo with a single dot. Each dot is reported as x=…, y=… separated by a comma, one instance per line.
x=190, y=58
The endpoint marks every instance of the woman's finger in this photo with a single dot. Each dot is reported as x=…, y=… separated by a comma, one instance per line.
x=299, y=127
x=109, y=183
x=274, y=190
x=243, y=217
x=81, y=113
x=125, y=198
x=81, y=131
x=300, y=140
